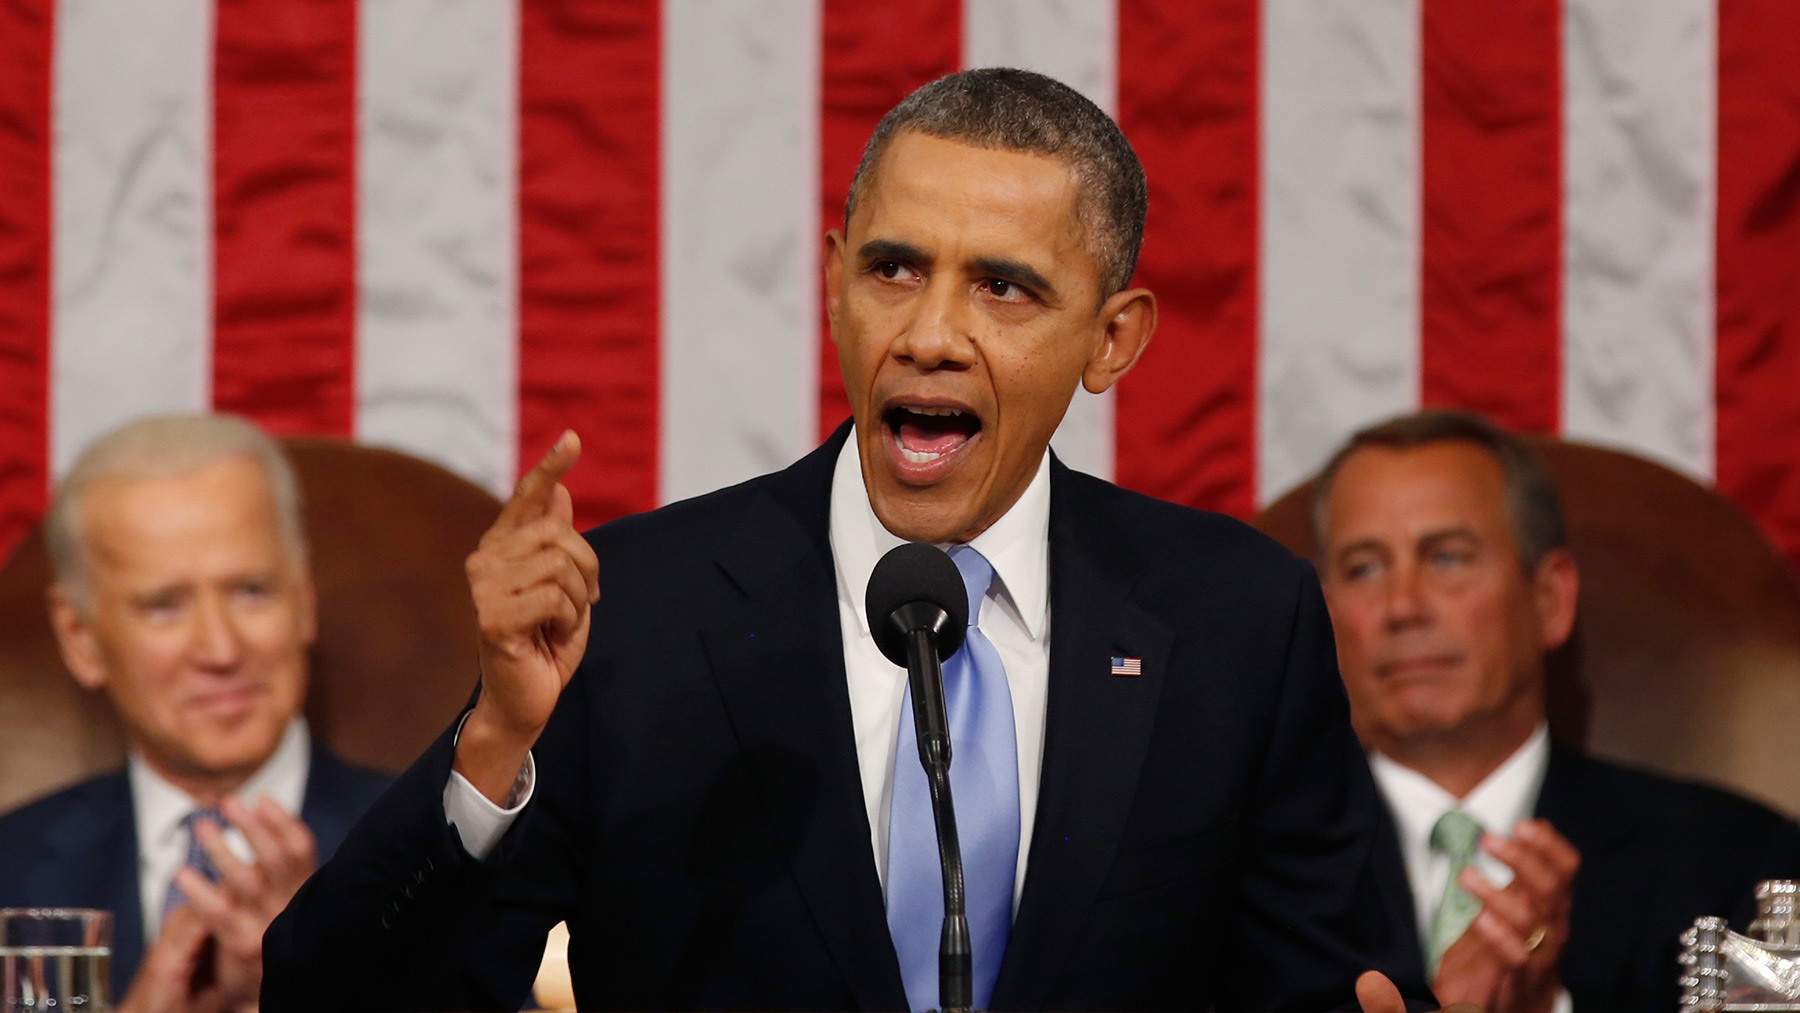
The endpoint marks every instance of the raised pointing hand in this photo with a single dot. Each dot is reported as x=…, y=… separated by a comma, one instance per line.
x=534, y=580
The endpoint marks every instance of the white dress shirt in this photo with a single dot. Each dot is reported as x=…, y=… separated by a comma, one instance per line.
x=158, y=808
x=1015, y=615
x=1498, y=803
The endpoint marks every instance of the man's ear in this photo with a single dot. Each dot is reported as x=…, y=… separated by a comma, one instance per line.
x=1555, y=589
x=834, y=276
x=1128, y=319
x=75, y=638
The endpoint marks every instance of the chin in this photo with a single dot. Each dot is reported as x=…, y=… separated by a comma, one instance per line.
x=241, y=749
x=913, y=516
x=1425, y=725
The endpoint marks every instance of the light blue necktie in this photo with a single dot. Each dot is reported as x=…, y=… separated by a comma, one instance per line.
x=984, y=784
x=197, y=858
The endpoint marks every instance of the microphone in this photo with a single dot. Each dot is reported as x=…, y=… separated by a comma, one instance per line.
x=918, y=610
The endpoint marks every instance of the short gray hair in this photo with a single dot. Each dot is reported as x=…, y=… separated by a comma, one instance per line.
x=1533, y=505
x=1018, y=110
x=163, y=446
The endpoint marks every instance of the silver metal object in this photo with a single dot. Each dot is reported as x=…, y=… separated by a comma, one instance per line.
x=1777, y=920
x=1723, y=971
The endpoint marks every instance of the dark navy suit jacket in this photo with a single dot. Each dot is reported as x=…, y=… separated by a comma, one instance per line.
x=1203, y=838
x=1655, y=855
x=78, y=847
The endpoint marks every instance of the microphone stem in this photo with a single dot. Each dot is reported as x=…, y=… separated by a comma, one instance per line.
x=931, y=721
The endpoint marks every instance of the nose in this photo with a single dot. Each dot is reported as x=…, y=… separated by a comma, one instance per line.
x=939, y=335
x=218, y=644
x=1406, y=606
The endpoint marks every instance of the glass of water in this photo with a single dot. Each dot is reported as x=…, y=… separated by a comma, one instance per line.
x=54, y=960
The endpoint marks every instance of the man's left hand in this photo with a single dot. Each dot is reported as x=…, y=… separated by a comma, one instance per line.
x=1507, y=960
x=238, y=909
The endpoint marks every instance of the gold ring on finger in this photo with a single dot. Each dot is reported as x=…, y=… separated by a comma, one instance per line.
x=1537, y=938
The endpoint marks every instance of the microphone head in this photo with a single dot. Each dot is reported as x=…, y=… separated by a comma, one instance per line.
x=916, y=586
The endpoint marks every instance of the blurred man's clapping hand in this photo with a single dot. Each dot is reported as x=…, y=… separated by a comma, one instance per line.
x=1507, y=960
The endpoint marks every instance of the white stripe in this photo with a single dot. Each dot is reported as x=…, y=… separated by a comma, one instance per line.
x=1639, y=107
x=1339, y=325
x=740, y=241
x=436, y=351
x=132, y=307
x=1076, y=42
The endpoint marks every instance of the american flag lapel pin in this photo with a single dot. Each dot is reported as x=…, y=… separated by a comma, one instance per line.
x=1124, y=665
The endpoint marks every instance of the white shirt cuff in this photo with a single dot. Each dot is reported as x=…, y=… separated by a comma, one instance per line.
x=478, y=821
x=1564, y=1003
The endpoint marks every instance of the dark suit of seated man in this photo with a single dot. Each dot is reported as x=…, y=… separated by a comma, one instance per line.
x=709, y=772
x=182, y=591
x=1446, y=565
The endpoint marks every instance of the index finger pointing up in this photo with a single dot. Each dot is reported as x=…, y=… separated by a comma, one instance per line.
x=532, y=496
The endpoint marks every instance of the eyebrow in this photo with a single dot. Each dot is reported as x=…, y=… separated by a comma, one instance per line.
x=1005, y=268
x=1445, y=534
x=1018, y=272
x=1361, y=545
x=890, y=249
x=1428, y=539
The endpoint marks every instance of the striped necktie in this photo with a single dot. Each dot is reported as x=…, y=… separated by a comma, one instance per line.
x=197, y=858
x=984, y=785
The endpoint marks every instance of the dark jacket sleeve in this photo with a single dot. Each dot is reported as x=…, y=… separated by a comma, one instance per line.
x=1311, y=915
x=402, y=918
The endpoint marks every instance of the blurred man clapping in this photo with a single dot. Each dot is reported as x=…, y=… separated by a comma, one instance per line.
x=1535, y=877
x=182, y=591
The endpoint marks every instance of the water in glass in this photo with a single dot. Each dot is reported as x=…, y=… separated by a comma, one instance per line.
x=54, y=960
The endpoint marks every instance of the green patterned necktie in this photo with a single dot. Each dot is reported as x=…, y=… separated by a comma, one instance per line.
x=1456, y=835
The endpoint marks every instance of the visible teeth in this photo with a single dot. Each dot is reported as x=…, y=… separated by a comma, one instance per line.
x=919, y=456
x=935, y=411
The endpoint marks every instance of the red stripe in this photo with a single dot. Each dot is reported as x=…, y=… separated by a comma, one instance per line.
x=1491, y=241
x=588, y=162
x=1758, y=265
x=1186, y=418
x=284, y=213
x=25, y=70
x=874, y=55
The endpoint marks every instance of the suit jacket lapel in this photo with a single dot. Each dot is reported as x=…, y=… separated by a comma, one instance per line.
x=1394, y=897
x=779, y=664
x=1605, y=883
x=322, y=808
x=99, y=846
x=128, y=909
x=1097, y=731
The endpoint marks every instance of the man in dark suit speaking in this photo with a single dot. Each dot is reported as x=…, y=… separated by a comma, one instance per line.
x=708, y=771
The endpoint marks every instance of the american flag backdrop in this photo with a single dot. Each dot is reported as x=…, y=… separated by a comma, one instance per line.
x=455, y=227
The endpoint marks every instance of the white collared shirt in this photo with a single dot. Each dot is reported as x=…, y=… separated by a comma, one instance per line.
x=1015, y=616
x=1498, y=803
x=158, y=808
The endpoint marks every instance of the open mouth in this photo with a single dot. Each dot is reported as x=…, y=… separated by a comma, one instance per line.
x=926, y=434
